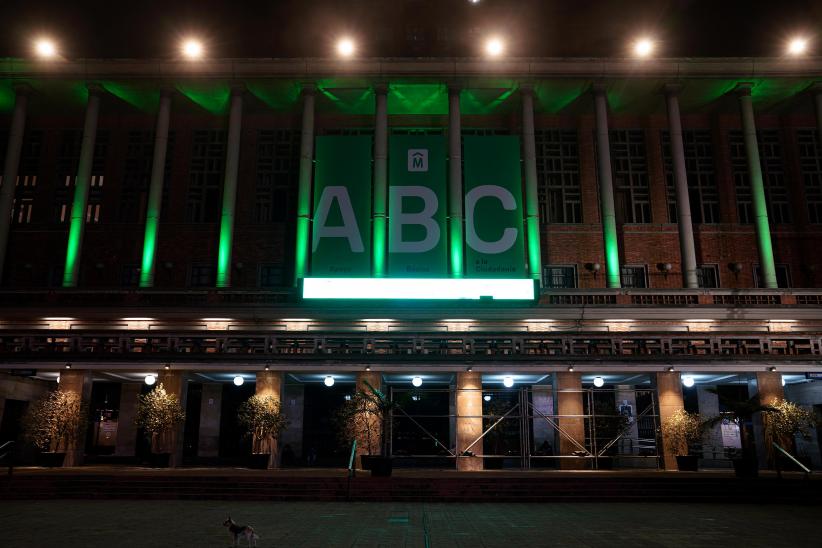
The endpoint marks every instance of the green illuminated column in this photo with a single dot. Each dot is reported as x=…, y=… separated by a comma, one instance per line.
x=15, y=145
x=380, y=181
x=455, y=244
x=155, y=191
x=683, y=201
x=81, y=189
x=763, y=230
x=531, y=195
x=606, y=189
x=232, y=164
x=304, y=187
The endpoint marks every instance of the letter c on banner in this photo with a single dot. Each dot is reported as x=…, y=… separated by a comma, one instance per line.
x=509, y=235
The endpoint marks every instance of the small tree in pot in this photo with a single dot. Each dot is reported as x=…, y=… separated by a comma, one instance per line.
x=55, y=424
x=263, y=420
x=158, y=414
x=679, y=432
x=364, y=418
x=788, y=421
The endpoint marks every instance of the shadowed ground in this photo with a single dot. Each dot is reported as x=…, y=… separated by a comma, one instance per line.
x=125, y=524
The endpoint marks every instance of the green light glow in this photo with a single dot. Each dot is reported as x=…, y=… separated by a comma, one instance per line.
x=278, y=95
x=423, y=289
x=456, y=249
x=380, y=247
x=611, y=254
x=534, y=253
x=149, y=247
x=350, y=101
x=429, y=99
x=143, y=99
x=74, y=243
x=212, y=97
x=224, y=250
x=485, y=101
x=554, y=97
x=7, y=97
x=302, y=247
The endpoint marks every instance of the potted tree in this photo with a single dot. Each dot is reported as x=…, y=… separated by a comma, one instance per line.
x=364, y=418
x=789, y=420
x=741, y=412
x=679, y=432
x=55, y=424
x=262, y=419
x=158, y=414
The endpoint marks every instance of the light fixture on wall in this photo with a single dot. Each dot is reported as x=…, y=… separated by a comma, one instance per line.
x=665, y=268
x=329, y=380
x=593, y=268
x=688, y=381
x=238, y=380
x=599, y=382
x=150, y=379
x=736, y=268
x=417, y=381
x=508, y=381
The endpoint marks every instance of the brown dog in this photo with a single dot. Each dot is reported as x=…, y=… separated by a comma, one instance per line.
x=240, y=531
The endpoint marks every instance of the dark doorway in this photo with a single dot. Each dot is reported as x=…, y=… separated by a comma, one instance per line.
x=104, y=411
x=191, y=431
x=423, y=412
x=235, y=446
x=322, y=445
x=11, y=429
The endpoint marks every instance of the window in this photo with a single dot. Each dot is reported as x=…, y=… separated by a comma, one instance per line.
x=699, y=162
x=632, y=200
x=560, y=197
x=26, y=184
x=810, y=163
x=67, y=162
x=271, y=275
x=205, y=176
x=202, y=276
x=634, y=276
x=707, y=275
x=783, y=276
x=559, y=276
x=278, y=161
x=773, y=177
x=137, y=176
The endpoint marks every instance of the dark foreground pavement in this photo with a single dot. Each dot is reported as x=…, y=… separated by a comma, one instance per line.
x=126, y=524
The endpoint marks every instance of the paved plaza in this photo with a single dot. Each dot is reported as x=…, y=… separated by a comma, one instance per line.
x=142, y=524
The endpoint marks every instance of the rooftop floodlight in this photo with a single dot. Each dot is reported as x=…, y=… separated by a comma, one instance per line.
x=192, y=48
x=688, y=381
x=329, y=380
x=643, y=47
x=494, y=47
x=150, y=379
x=797, y=46
x=508, y=381
x=45, y=48
x=238, y=380
x=417, y=381
x=346, y=47
x=599, y=382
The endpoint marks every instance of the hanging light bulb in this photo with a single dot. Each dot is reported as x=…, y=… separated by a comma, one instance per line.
x=238, y=380
x=150, y=379
x=329, y=380
x=508, y=381
x=599, y=382
x=417, y=381
x=688, y=381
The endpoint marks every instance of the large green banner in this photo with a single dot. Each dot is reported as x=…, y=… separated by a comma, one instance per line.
x=416, y=207
x=493, y=207
x=341, y=231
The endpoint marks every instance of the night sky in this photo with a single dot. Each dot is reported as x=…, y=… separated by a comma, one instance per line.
x=418, y=28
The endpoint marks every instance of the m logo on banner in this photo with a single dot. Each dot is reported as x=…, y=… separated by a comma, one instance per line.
x=417, y=159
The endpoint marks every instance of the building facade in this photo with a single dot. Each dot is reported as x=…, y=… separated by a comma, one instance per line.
x=170, y=218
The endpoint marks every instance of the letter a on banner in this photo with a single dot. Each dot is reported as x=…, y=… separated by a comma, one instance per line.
x=493, y=207
x=341, y=231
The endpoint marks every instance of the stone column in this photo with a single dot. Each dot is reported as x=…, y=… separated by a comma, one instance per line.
x=606, y=189
x=770, y=389
x=174, y=382
x=373, y=378
x=294, y=409
x=763, y=230
x=155, y=190
x=77, y=381
x=683, y=200
x=379, y=222
x=455, y=214
x=82, y=183
x=208, y=444
x=570, y=418
x=232, y=166
x=270, y=383
x=301, y=249
x=469, y=420
x=126, y=429
x=17, y=130
x=669, y=396
x=531, y=192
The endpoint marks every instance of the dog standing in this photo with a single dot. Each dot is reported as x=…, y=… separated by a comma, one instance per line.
x=240, y=531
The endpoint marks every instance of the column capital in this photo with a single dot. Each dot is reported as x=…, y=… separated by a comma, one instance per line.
x=23, y=88
x=743, y=89
x=815, y=88
x=599, y=89
x=94, y=88
x=526, y=88
x=238, y=89
x=381, y=88
x=308, y=88
x=672, y=89
x=167, y=90
x=454, y=88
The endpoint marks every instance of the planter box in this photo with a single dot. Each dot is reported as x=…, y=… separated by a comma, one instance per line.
x=379, y=466
x=258, y=461
x=687, y=463
x=159, y=460
x=51, y=460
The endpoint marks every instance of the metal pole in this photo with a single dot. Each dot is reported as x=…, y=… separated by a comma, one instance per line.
x=380, y=181
x=531, y=193
x=763, y=231
x=683, y=202
x=10, y=170
x=304, y=188
x=455, y=229
x=606, y=190
x=81, y=190
x=232, y=165
x=155, y=191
